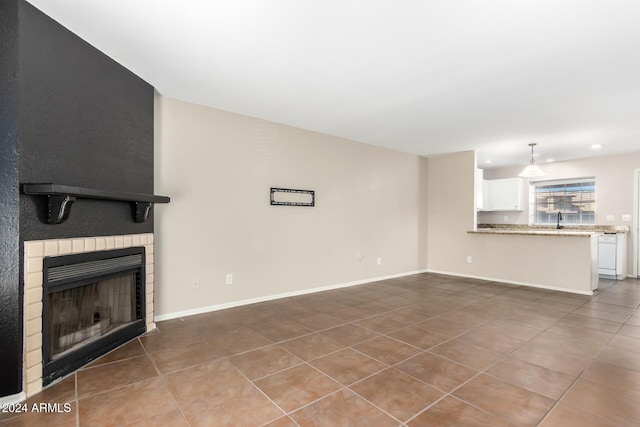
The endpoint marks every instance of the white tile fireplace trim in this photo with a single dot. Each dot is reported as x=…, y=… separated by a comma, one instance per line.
x=34, y=253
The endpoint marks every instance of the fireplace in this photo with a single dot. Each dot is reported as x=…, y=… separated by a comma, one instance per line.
x=92, y=303
x=83, y=297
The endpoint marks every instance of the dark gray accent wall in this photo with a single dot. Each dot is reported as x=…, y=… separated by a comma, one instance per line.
x=86, y=121
x=10, y=290
x=71, y=116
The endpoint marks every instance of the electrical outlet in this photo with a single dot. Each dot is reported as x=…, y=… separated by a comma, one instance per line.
x=626, y=217
x=469, y=259
x=379, y=261
x=611, y=217
x=229, y=279
x=506, y=218
x=195, y=285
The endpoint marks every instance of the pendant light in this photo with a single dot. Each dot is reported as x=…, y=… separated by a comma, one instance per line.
x=532, y=171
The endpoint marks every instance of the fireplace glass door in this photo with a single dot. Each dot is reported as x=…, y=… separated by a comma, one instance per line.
x=81, y=315
x=92, y=303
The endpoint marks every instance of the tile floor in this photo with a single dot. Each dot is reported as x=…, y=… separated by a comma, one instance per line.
x=422, y=350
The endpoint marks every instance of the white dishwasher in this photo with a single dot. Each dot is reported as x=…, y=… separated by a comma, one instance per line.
x=612, y=256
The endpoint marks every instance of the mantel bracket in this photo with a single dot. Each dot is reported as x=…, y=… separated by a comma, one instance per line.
x=58, y=208
x=142, y=211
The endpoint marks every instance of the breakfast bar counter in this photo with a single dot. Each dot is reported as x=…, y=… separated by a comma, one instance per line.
x=561, y=259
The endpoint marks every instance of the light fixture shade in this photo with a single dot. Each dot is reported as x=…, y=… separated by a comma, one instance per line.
x=532, y=171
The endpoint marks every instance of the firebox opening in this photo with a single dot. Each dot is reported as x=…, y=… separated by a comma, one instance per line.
x=93, y=302
x=79, y=315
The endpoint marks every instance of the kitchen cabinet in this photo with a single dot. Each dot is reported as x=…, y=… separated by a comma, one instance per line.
x=479, y=185
x=502, y=194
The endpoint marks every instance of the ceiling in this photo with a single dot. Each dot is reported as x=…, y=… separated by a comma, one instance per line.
x=419, y=76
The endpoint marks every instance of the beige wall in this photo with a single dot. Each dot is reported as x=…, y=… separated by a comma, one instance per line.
x=217, y=167
x=450, y=211
x=556, y=262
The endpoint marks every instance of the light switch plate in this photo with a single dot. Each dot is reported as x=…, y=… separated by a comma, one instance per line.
x=611, y=217
x=626, y=217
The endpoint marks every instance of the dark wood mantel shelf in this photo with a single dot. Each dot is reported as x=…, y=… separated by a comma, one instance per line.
x=61, y=197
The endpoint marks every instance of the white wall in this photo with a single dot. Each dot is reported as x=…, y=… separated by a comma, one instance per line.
x=217, y=167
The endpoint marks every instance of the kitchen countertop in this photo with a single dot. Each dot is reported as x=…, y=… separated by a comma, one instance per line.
x=527, y=230
x=522, y=232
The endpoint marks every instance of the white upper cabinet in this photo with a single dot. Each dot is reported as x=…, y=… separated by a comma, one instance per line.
x=479, y=184
x=502, y=194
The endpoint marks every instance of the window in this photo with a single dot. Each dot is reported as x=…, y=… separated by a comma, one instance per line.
x=575, y=198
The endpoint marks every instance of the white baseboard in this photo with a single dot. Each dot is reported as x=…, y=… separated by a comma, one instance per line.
x=216, y=307
x=512, y=282
x=13, y=399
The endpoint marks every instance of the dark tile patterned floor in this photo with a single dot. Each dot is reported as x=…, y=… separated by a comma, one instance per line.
x=422, y=350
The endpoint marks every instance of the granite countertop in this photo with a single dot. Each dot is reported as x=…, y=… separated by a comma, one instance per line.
x=569, y=231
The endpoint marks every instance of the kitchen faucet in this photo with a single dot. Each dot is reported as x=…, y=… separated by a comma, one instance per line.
x=559, y=219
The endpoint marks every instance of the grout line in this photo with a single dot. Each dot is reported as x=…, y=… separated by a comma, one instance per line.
x=285, y=413
x=148, y=355
x=572, y=385
x=164, y=381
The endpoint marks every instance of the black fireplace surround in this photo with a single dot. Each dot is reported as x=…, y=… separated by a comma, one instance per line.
x=92, y=303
